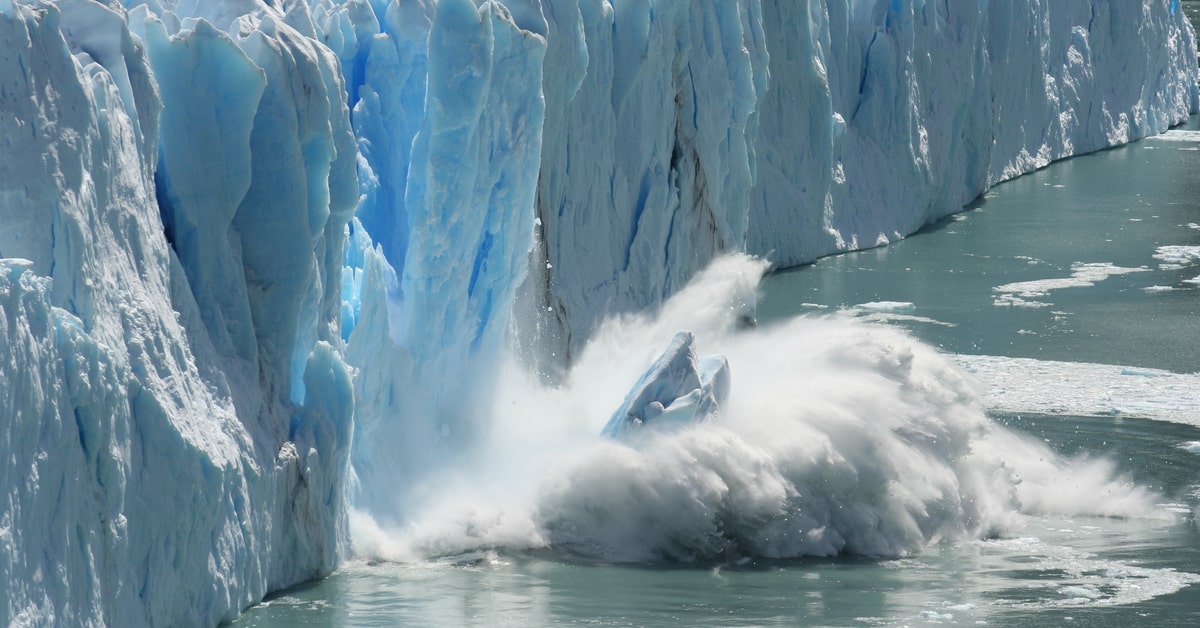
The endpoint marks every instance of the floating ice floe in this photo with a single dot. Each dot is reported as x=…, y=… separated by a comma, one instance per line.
x=1025, y=293
x=887, y=306
x=1174, y=257
x=1046, y=387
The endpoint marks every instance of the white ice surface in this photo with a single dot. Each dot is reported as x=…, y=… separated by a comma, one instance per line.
x=1030, y=293
x=1018, y=385
x=887, y=306
x=1176, y=256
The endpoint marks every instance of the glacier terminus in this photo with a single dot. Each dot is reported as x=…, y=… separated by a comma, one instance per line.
x=265, y=266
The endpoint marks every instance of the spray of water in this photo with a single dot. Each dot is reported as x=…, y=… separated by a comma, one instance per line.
x=838, y=437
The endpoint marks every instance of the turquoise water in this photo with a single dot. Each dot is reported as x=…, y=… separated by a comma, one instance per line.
x=1113, y=210
x=1093, y=572
x=1060, y=571
x=1086, y=572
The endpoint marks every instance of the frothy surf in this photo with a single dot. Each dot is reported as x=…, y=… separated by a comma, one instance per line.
x=839, y=436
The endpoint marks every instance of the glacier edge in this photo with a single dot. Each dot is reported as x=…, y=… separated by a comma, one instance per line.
x=250, y=247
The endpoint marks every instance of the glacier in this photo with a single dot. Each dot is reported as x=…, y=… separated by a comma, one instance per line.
x=262, y=262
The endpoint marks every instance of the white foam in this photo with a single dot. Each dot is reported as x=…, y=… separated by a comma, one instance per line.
x=1177, y=135
x=839, y=437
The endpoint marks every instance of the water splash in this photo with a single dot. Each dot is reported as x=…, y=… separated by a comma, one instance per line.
x=839, y=436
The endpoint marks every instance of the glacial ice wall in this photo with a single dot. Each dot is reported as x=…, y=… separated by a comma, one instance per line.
x=884, y=116
x=878, y=117
x=448, y=110
x=176, y=413
x=241, y=237
x=649, y=153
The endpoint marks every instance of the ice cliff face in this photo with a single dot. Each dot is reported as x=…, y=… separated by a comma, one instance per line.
x=649, y=154
x=448, y=110
x=247, y=244
x=176, y=419
x=878, y=117
x=893, y=114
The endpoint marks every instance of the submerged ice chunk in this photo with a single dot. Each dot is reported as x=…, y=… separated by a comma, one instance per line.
x=677, y=389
